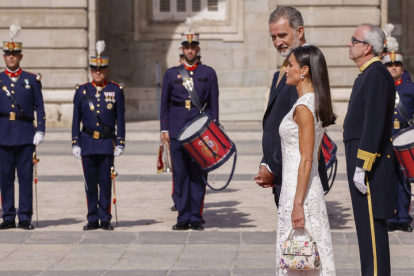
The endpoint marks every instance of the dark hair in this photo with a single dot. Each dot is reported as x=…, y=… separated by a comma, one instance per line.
x=290, y=13
x=312, y=57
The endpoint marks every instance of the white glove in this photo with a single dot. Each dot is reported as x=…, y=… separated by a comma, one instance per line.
x=38, y=138
x=118, y=151
x=76, y=150
x=359, y=180
x=188, y=84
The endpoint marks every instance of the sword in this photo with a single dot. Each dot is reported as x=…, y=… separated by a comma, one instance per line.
x=35, y=161
x=83, y=174
x=113, y=175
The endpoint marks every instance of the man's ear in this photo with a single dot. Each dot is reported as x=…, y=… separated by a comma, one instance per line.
x=368, y=50
x=301, y=32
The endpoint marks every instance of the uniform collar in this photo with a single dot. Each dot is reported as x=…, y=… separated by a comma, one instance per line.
x=13, y=74
x=368, y=63
x=190, y=67
x=100, y=85
x=398, y=82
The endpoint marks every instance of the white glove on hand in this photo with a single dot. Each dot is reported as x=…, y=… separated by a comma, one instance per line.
x=118, y=151
x=188, y=84
x=76, y=150
x=359, y=180
x=38, y=138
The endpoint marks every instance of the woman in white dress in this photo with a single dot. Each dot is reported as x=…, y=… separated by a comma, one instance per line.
x=302, y=201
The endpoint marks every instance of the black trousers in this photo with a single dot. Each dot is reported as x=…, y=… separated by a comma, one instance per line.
x=372, y=233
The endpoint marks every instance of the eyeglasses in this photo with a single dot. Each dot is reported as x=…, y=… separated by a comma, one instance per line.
x=355, y=41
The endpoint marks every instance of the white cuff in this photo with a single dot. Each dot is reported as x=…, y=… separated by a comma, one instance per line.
x=162, y=131
x=267, y=166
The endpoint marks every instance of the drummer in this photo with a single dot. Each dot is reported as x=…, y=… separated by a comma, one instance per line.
x=405, y=94
x=176, y=111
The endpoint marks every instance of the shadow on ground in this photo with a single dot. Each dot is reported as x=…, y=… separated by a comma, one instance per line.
x=132, y=223
x=339, y=216
x=56, y=222
x=225, y=215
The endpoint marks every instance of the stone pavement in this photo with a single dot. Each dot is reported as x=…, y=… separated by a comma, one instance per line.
x=239, y=236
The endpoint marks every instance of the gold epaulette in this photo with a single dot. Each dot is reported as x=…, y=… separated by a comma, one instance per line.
x=369, y=159
x=38, y=77
x=121, y=85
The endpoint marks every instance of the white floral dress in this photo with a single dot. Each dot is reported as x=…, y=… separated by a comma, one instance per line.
x=316, y=217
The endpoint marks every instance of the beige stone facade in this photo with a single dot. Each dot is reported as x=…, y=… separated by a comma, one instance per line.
x=58, y=36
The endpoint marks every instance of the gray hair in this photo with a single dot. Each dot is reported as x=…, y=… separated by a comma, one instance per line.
x=290, y=13
x=375, y=37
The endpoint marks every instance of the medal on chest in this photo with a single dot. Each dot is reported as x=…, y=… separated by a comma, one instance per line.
x=27, y=85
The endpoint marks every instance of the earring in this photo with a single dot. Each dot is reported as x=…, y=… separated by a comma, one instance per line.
x=302, y=76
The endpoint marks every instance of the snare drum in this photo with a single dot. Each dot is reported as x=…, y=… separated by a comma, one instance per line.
x=403, y=143
x=206, y=143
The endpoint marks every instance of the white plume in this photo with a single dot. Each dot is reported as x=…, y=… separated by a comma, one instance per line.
x=189, y=22
x=388, y=29
x=392, y=44
x=14, y=30
x=100, y=47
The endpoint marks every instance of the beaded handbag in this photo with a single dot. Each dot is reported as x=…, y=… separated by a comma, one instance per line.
x=299, y=255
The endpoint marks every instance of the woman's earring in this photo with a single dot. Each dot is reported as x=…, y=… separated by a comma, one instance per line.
x=302, y=76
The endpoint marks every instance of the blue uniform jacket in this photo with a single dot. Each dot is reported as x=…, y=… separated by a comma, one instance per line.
x=29, y=97
x=405, y=93
x=369, y=120
x=110, y=107
x=174, y=118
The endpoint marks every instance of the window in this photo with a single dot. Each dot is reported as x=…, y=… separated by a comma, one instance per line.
x=179, y=10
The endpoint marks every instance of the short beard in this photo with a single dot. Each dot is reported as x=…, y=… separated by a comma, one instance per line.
x=296, y=44
x=190, y=61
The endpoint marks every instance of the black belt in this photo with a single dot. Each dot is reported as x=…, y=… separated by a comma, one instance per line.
x=187, y=104
x=12, y=116
x=99, y=135
x=404, y=125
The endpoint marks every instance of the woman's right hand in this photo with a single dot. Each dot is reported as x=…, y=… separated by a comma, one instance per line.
x=298, y=216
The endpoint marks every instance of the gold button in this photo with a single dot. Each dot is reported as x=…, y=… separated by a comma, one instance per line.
x=12, y=85
x=395, y=112
x=391, y=139
x=99, y=100
x=98, y=105
x=388, y=156
x=13, y=105
x=379, y=154
x=98, y=111
x=395, y=211
x=12, y=92
x=97, y=124
x=74, y=141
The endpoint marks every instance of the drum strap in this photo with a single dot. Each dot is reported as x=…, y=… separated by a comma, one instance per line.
x=192, y=92
x=403, y=112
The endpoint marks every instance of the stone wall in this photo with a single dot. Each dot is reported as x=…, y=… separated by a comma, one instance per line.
x=55, y=44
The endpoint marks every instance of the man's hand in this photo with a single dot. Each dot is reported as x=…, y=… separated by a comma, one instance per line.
x=359, y=180
x=165, y=138
x=76, y=150
x=38, y=138
x=264, y=178
x=118, y=151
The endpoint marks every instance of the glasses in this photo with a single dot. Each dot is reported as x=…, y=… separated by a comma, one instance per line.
x=355, y=41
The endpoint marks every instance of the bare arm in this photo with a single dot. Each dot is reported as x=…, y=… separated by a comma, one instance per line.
x=304, y=118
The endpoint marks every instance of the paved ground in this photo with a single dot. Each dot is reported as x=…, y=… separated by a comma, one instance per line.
x=239, y=236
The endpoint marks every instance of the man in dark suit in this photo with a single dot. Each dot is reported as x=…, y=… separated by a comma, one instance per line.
x=100, y=107
x=369, y=151
x=177, y=110
x=20, y=98
x=287, y=33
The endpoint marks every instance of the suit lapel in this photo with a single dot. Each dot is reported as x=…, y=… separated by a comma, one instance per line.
x=275, y=91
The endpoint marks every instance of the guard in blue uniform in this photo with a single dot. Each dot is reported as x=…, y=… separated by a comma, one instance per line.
x=100, y=107
x=20, y=97
x=176, y=111
x=405, y=94
x=369, y=151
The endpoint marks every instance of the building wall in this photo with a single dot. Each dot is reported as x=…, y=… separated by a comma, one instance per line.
x=59, y=36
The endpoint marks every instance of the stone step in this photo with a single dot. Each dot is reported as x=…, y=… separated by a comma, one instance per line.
x=43, y=4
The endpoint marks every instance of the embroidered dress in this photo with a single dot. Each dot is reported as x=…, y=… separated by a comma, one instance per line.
x=316, y=216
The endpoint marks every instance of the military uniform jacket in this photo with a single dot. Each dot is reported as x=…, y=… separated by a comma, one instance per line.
x=405, y=94
x=27, y=91
x=174, y=118
x=109, y=105
x=369, y=119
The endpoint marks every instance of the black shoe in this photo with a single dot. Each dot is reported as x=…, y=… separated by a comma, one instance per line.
x=196, y=226
x=106, y=225
x=91, y=226
x=173, y=208
x=26, y=225
x=181, y=226
x=392, y=227
x=7, y=224
x=405, y=226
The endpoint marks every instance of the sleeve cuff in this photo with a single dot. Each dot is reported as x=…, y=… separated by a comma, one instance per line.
x=365, y=159
x=267, y=166
x=163, y=131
